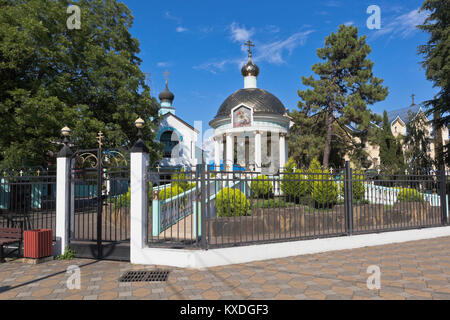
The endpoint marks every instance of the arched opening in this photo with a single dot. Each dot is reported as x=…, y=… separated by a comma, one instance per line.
x=170, y=141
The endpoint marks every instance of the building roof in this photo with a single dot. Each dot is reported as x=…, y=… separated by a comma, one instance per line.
x=260, y=100
x=405, y=114
x=181, y=120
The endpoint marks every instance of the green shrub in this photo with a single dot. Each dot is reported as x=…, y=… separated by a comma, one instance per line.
x=410, y=195
x=170, y=192
x=232, y=203
x=261, y=187
x=314, y=166
x=324, y=189
x=289, y=167
x=68, y=254
x=293, y=185
x=358, y=186
x=182, y=180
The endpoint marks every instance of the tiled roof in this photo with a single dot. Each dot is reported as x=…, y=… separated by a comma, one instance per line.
x=405, y=114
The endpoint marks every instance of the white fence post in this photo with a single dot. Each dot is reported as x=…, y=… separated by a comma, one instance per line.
x=139, y=198
x=62, y=199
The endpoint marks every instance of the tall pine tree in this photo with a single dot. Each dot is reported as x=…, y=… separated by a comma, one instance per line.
x=391, y=153
x=344, y=88
x=437, y=62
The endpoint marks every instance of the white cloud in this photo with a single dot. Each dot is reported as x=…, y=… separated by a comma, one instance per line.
x=273, y=52
x=272, y=29
x=216, y=66
x=403, y=26
x=333, y=3
x=240, y=34
x=181, y=29
x=349, y=23
x=169, y=16
x=163, y=64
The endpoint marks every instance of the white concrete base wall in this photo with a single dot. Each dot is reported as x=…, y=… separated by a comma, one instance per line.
x=198, y=259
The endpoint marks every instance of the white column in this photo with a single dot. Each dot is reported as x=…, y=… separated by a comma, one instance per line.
x=217, y=153
x=258, y=151
x=62, y=200
x=282, y=151
x=139, y=203
x=229, y=159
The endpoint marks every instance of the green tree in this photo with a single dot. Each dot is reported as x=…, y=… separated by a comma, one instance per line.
x=418, y=143
x=50, y=76
x=345, y=87
x=391, y=153
x=437, y=61
x=307, y=140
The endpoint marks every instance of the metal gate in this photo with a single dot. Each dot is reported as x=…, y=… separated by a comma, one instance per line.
x=100, y=203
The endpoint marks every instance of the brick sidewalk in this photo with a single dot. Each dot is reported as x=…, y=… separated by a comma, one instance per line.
x=413, y=270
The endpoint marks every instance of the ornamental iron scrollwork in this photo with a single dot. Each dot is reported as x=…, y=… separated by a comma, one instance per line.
x=109, y=159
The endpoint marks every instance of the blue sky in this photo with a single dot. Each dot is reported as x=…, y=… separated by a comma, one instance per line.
x=200, y=43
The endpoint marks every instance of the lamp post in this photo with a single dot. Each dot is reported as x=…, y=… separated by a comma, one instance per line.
x=66, y=132
x=139, y=123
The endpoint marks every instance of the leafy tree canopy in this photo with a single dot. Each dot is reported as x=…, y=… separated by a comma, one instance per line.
x=50, y=76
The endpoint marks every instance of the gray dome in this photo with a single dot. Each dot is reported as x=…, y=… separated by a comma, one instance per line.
x=166, y=95
x=260, y=100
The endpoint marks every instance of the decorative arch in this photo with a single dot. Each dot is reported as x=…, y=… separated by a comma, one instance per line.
x=165, y=129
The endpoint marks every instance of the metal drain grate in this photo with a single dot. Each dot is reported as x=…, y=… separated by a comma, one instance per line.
x=145, y=276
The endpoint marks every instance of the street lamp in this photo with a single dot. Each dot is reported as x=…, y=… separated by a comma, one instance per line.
x=139, y=123
x=65, y=132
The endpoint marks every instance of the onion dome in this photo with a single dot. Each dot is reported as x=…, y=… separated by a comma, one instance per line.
x=166, y=95
x=250, y=69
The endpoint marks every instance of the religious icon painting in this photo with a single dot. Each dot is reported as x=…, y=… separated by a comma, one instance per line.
x=242, y=117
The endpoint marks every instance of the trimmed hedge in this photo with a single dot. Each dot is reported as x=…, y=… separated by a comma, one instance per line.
x=261, y=187
x=324, y=190
x=232, y=203
x=358, y=186
x=294, y=185
x=170, y=192
x=410, y=195
x=182, y=180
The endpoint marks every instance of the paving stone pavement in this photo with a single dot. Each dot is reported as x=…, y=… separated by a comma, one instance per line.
x=413, y=270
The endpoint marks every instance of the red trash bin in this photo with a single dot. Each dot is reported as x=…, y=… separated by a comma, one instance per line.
x=37, y=243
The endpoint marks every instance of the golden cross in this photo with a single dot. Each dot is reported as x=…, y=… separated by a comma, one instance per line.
x=250, y=45
x=100, y=139
x=166, y=75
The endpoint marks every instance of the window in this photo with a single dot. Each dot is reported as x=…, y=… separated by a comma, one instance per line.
x=170, y=140
x=269, y=144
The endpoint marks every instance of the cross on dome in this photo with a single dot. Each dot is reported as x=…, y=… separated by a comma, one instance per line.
x=250, y=44
x=166, y=75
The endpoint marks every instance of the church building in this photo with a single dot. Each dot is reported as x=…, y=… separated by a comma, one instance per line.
x=251, y=127
x=178, y=137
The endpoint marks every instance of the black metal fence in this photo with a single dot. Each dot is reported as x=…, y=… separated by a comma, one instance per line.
x=101, y=205
x=213, y=209
x=28, y=200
